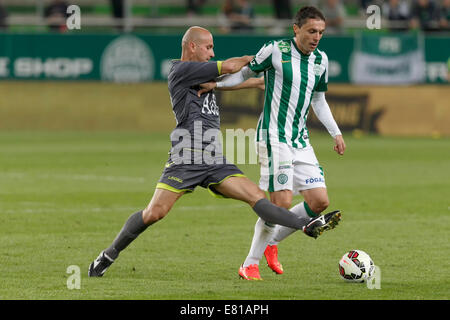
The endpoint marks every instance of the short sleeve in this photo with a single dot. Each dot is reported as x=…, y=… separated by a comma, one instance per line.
x=263, y=59
x=192, y=73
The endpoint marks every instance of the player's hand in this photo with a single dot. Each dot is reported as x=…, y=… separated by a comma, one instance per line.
x=339, y=144
x=261, y=84
x=250, y=58
x=207, y=86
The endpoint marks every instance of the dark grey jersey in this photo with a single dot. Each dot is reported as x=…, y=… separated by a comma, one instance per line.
x=194, y=115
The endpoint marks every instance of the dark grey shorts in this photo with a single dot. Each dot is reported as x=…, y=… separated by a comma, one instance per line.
x=185, y=177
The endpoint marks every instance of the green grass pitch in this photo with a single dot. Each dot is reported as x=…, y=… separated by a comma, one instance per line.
x=64, y=197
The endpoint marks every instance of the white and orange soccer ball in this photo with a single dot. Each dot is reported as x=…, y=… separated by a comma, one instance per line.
x=356, y=266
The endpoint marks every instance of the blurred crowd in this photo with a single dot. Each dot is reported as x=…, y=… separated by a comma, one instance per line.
x=427, y=15
x=239, y=15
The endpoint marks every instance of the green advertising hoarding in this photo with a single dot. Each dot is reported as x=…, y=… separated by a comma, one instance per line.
x=136, y=58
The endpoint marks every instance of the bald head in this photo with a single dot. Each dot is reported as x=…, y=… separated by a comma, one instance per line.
x=195, y=34
x=197, y=44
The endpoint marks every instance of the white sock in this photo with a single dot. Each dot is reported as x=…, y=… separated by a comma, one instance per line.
x=261, y=237
x=282, y=232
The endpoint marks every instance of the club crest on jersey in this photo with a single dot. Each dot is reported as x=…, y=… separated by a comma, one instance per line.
x=317, y=69
x=284, y=46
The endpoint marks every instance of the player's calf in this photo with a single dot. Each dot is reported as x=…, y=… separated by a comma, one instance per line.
x=317, y=200
x=319, y=205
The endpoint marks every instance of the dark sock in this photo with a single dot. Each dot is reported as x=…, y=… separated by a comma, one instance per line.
x=273, y=214
x=133, y=227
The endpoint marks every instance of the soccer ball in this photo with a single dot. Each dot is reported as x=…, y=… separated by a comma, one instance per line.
x=356, y=266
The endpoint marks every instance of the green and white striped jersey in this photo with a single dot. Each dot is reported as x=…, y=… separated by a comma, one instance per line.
x=291, y=78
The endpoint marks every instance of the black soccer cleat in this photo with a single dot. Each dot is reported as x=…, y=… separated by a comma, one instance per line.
x=322, y=223
x=99, y=266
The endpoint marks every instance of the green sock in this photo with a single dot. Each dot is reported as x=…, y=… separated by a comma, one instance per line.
x=310, y=213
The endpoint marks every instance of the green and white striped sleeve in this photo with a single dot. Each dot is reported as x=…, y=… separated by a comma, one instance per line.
x=263, y=59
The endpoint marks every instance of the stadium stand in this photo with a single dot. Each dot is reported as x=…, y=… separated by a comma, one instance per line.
x=173, y=15
x=160, y=15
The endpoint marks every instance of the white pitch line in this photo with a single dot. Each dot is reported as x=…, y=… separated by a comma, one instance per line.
x=64, y=210
x=85, y=177
x=115, y=209
x=211, y=207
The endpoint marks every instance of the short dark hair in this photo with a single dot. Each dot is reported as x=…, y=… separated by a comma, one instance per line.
x=306, y=13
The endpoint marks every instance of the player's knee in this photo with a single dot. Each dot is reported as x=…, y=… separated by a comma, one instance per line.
x=257, y=195
x=154, y=213
x=320, y=205
x=254, y=196
x=260, y=194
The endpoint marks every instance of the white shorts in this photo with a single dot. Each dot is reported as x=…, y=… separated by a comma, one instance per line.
x=287, y=168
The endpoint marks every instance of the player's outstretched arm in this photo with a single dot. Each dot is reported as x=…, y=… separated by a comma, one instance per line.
x=228, y=81
x=251, y=83
x=233, y=65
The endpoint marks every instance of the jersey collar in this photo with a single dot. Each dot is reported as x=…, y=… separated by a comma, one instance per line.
x=299, y=51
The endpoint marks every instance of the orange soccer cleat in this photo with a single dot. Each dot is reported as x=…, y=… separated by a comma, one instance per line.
x=271, y=254
x=250, y=273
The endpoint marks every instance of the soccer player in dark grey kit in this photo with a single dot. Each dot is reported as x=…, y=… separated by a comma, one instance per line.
x=192, y=162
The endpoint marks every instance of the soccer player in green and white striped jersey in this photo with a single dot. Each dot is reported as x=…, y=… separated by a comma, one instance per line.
x=295, y=76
